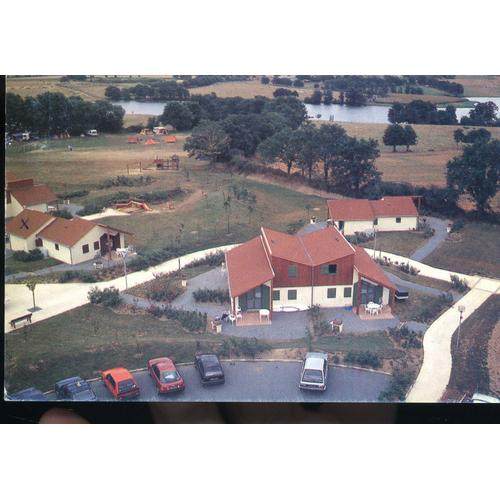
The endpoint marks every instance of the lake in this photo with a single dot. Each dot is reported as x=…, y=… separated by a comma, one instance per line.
x=364, y=114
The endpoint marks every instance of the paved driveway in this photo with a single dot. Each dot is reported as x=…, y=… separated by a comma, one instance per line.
x=264, y=381
x=432, y=243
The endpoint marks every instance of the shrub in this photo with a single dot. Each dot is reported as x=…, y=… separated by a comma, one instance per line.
x=124, y=180
x=64, y=214
x=400, y=383
x=165, y=287
x=358, y=238
x=433, y=308
x=31, y=256
x=457, y=225
x=73, y=194
x=83, y=276
x=408, y=269
x=191, y=320
x=458, y=284
x=211, y=259
x=211, y=295
x=406, y=337
x=107, y=296
x=364, y=358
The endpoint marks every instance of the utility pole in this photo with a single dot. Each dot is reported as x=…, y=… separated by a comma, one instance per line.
x=461, y=310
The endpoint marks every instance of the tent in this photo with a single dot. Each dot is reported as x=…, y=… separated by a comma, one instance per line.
x=149, y=142
x=133, y=140
x=170, y=138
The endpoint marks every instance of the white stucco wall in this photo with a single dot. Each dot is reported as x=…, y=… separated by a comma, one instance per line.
x=19, y=244
x=390, y=224
x=76, y=250
x=319, y=297
x=63, y=254
x=356, y=226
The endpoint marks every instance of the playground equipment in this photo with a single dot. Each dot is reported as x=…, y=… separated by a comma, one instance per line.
x=135, y=164
x=131, y=205
x=171, y=163
x=146, y=131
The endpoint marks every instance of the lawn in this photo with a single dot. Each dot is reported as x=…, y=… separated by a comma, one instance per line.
x=14, y=266
x=92, y=338
x=474, y=250
x=479, y=86
x=398, y=242
x=444, y=286
x=420, y=307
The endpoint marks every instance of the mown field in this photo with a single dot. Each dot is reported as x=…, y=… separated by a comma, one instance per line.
x=479, y=86
x=475, y=250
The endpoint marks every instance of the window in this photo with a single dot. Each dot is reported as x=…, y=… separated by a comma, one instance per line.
x=331, y=293
x=276, y=295
x=292, y=294
x=375, y=222
x=330, y=269
x=341, y=225
x=85, y=248
x=96, y=245
x=347, y=291
x=292, y=271
x=398, y=220
x=56, y=246
x=39, y=242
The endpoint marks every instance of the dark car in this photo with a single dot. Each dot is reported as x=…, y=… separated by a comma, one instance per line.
x=209, y=368
x=30, y=394
x=74, y=389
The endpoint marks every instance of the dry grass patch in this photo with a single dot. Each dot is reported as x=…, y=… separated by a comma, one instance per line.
x=479, y=86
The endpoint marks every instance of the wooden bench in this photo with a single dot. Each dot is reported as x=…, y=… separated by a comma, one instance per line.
x=26, y=317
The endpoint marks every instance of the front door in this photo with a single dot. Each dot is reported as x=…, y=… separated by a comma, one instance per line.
x=370, y=292
x=254, y=298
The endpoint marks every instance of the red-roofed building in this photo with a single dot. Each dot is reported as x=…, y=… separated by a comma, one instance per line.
x=277, y=271
x=24, y=193
x=391, y=213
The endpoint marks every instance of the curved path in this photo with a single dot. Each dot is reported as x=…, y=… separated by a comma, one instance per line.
x=440, y=232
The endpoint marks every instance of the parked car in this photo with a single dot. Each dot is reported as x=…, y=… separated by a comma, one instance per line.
x=165, y=375
x=92, y=133
x=209, y=368
x=120, y=383
x=477, y=397
x=314, y=372
x=30, y=394
x=74, y=389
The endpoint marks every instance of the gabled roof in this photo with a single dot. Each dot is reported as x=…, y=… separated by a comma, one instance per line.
x=33, y=195
x=247, y=266
x=67, y=231
x=361, y=209
x=326, y=245
x=368, y=268
x=33, y=219
x=311, y=249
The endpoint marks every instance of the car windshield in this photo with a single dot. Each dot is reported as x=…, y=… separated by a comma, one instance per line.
x=315, y=376
x=126, y=385
x=170, y=376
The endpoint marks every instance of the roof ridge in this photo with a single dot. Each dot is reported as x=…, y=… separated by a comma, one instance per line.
x=305, y=249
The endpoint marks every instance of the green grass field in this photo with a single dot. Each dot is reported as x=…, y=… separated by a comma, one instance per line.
x=475, y=251
x=398, y=242
x=14, y=266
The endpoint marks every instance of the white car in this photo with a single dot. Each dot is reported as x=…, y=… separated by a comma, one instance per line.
x=477, y=397
x=92, y=133
x=314, y=372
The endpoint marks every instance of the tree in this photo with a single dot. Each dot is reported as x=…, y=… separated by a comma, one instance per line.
x=394, y=135
x=476, y=172
x=15, y=118
x=308, y=139
x=357, y=172
x=484, y=113
x=459, y=136
x=315, y=98
x=355, y=97
x=281, y=92
x=290, y=107
x=410, y=137
x=208, y=140
x=113, y=93
x=332, y=139
x=178, y=115
x=282, y=146
x=265, y=80
x=31, y=287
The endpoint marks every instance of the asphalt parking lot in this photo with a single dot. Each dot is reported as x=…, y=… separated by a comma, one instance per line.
x=263, y=381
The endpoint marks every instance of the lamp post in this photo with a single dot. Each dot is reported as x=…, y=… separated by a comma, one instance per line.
x=461, y=310
x=124, y=253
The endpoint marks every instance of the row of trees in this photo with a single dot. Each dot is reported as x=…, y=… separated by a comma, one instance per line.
x=156, y=90
x=419, y=111
x=53, y=113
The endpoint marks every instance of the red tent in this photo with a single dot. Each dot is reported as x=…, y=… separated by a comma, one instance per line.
x=170, y=138
x=149, y=142
x=133, y=140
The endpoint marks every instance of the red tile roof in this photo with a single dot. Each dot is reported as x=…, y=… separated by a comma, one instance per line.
x=33, y=195
x=360, y=209
x=9, y=177
x=67, y=231
x=368, y=268
x=326, y=245
x=312, y=249
x=247, y=267
x=33, y=219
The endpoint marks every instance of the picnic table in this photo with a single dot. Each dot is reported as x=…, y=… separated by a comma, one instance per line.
x=337, y=325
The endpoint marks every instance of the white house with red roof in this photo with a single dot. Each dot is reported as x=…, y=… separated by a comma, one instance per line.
x=72, y=241
x=24, y=193
x=277, y=271
x=391, y=213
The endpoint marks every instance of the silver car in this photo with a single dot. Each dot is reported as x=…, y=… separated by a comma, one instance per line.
x=314, y=372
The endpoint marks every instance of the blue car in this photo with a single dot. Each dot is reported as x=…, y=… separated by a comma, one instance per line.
x=30, y=394
x=74, y=389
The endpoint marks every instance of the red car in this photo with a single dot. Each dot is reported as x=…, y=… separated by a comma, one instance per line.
x=165, y=375
x=120, y=383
